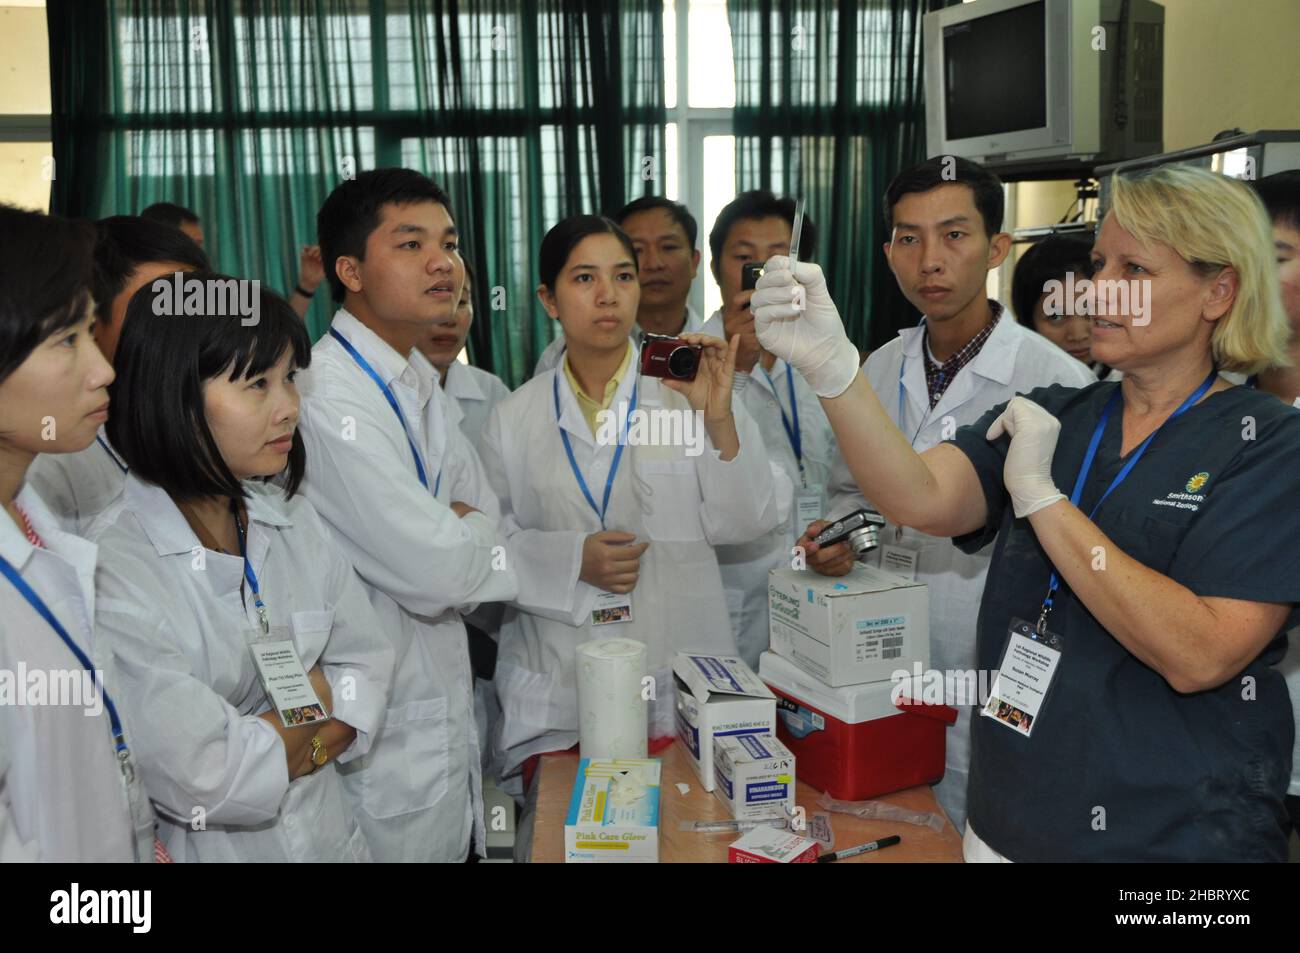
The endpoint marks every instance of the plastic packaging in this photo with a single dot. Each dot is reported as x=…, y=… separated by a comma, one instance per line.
x=881, y=811
x=820, y=830
x=732, y=827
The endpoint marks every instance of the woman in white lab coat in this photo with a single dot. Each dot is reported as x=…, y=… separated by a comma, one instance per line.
x=67, y=787
x=664, y=506
x=207, y=567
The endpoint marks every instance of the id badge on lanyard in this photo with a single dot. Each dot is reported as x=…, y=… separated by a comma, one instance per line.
x=142, y=816
x=285, y=681
x=1028, y=667
x=1033, y=652
x=809, y=498
x=610, y=608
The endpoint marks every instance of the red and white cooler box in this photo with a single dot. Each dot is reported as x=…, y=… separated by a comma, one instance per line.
x=854, y=742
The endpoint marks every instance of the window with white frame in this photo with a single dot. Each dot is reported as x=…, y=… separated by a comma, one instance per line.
x=700, y=93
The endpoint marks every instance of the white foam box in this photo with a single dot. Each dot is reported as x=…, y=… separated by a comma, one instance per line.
x=602, y=827
x=851, y=629
x=754, y=776
x=718, y=695
x=768, y=845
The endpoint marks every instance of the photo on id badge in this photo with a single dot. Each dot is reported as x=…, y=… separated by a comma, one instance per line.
x=612, y=607
x=287, y=685
x=1024, y=677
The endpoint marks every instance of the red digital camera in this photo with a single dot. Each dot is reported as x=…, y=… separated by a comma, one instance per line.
x=669, y=357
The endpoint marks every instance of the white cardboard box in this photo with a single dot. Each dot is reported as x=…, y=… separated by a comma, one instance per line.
x=718, y=695
x=851, y=629
x=767, y=845
x=604, y=826
x=754, y=775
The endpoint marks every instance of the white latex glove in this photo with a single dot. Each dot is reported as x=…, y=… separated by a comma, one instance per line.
x=796, y=320
x=1027, y=472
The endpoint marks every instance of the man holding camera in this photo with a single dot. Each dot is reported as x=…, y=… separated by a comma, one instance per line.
x=755, y=226
x=965, y=357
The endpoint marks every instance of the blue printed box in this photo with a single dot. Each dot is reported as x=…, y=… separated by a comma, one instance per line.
x=755, y=776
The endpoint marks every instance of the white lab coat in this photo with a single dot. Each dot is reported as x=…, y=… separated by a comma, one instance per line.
x=473, y=392
x=181, y=629
x=745, y=567
x=682, y=505
x=63, y=797
x=555, y=350
x=420, y=786
x=1012, y=361
x=83, y=489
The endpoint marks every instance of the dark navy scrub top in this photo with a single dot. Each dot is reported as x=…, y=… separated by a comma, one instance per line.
x=1180, y=777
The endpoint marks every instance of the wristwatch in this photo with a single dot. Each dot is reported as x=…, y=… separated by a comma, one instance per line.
x=319, y=755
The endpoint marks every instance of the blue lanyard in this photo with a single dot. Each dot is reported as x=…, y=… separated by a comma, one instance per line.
x=392, y=402
x=251, y=577
x=573, y=463
x=792, y=432
x=1091, y=455
x=109, y=450
x=37, y=603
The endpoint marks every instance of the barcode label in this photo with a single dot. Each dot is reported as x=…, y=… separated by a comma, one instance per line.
x=891, y=642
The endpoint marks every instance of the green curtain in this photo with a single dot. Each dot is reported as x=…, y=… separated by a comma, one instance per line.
x=829, y=106
x=251, y=111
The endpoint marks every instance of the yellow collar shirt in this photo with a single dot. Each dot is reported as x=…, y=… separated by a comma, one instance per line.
x=589, y=406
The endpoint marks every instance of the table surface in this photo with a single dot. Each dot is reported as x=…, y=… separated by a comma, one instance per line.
x=919, y=844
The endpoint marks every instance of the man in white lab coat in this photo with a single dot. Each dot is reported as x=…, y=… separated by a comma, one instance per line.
x=404, y=491
x=82, y=489
x=968, y=355
x=473, y=392
x=796, y=434
x=663, y=232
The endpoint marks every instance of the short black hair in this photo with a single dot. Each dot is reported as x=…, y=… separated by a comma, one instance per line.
x=565, y=236
x=159, y=424
x=758, y=204
x=169, y=213
x=676, y=210
x=125, y=242
x=1280, y=193
x=1044, y=261
x=949, y=170
x=352, y=211
x=45, y=275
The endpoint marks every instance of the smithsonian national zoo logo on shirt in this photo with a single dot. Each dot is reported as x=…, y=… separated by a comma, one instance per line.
x=1192, y=498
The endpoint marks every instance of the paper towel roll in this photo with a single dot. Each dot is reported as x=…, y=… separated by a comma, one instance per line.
x=611, y=711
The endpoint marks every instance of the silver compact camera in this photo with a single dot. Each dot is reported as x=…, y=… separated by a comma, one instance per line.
x=861, y=530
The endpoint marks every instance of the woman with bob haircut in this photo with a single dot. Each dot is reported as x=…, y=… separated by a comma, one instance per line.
x=68, y=791
x=207, y=567
x=1145, y=612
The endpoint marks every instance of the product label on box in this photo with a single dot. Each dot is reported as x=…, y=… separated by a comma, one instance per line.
x=752, y=745
x=800, y=721
x=880, y=638
x=718, y=675
x=764, y=791
x=784, y=605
